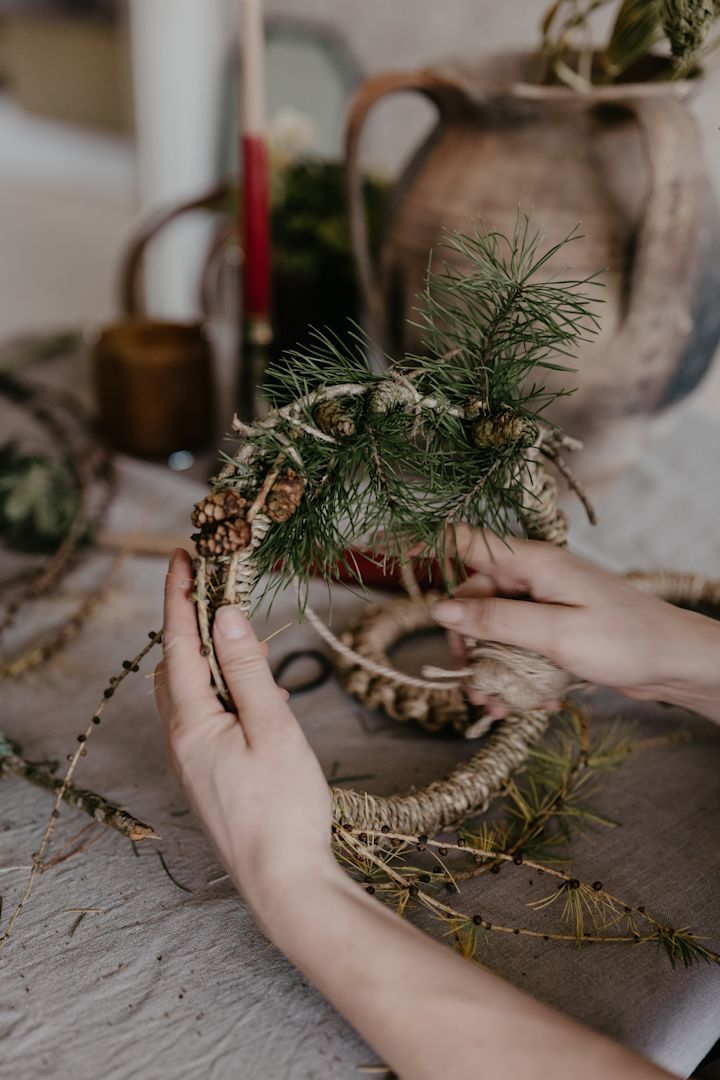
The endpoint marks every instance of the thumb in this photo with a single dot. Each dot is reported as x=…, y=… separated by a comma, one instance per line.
x=257, y=698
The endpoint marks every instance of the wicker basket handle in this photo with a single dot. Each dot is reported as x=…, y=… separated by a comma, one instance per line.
x=132, y=302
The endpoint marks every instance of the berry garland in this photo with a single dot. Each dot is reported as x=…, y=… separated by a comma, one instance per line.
x=70, y=430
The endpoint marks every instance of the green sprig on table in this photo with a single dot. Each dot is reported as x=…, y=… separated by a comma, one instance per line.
x=39, y=500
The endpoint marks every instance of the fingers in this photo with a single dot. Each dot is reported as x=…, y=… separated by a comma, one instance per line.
x=457, y=649
x=186, y=671
x=482, y=550
x=530, y=567
x=162, y=698
x=477, y=585
x=513, y=622
x=258, y=699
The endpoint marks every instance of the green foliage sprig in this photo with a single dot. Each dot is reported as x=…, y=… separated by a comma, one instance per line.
x=634, y=48
x=314, y=277
x=39, y=499
x=440, y=438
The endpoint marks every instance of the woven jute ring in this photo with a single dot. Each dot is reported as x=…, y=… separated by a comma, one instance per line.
x=524, y=680
x=470, y=787
x=373, y=636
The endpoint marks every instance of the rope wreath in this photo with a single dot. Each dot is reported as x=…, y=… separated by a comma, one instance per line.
x=232, y=519
x=235, y=520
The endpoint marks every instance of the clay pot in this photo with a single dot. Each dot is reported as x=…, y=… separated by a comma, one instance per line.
x=623, y=161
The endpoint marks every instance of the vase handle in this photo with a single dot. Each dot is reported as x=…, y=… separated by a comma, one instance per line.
x=662, y=277
x=443, y=92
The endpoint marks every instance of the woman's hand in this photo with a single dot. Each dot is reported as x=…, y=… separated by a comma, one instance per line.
x=257, y=788
x=588, y=621
x=251, y=776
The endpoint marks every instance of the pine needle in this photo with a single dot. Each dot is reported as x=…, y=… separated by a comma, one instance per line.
x=76, y=923
x=171, y=876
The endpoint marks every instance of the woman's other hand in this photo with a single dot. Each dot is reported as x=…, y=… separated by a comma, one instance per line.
x=590, y=622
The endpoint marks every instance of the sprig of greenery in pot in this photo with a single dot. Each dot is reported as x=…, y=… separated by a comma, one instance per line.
x=314, y=276
x=649, y=39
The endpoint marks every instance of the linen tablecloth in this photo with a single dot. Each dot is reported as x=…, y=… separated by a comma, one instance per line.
x=162, y=982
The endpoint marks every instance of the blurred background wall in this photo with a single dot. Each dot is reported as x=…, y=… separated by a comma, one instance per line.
x=107, y=109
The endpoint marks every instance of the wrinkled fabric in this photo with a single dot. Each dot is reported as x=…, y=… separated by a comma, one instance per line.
x=163, y=982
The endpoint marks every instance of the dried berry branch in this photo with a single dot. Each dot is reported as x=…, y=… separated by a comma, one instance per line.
x=41, y=775
x=71, y=433
x=368, y=850
x=73, y=759
x=384, y=861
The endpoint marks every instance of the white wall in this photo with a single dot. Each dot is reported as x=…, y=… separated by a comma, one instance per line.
x=179, y=50
x=180, y=53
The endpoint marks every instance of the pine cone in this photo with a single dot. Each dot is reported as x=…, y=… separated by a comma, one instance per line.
x=331, y=418
x=503, y=430
x=284, y=497
x=224, y=539
x=217, y=507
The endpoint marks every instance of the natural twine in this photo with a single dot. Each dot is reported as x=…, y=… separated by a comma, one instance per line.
x=445, y=803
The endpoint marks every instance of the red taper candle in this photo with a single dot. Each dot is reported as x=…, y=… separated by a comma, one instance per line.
x=255, y=221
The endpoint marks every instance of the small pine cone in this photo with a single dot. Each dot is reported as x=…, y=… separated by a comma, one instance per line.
x=284, y=497
x=219, y=506
x=226, y=538
x=504, y=429
x=331, y=418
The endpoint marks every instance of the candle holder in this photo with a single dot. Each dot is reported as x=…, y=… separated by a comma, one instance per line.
x=154, y=378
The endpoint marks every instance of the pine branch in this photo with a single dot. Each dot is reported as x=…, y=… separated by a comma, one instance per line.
x=442, y=437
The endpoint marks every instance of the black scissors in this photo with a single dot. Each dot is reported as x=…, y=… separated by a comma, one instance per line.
x=324, y=670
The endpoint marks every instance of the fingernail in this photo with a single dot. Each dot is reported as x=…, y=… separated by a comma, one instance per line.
x=448, y=611
x=231, y=622
x=175, y=555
